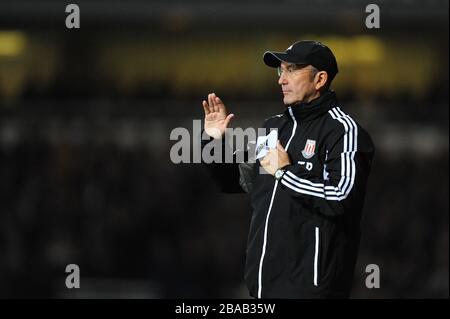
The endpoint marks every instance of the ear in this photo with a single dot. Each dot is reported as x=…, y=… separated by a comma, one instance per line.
x=320, y=79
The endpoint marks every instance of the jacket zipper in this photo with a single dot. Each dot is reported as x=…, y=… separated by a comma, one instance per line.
x=261, y=261
x=316, y=256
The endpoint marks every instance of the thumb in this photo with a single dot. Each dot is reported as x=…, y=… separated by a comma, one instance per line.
x=228, y=119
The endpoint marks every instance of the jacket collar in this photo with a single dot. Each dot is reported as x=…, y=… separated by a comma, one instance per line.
x=309, y=111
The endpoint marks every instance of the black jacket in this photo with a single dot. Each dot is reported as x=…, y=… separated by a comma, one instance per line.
x=305, y=232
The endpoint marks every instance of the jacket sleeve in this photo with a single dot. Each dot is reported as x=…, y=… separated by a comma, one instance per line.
x=225, y=169
x=341, y=186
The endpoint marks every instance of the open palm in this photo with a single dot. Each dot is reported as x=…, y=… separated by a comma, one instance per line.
x=216, y=117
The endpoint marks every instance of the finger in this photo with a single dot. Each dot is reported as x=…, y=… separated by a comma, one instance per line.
x=220, y=105
x=210, y=102
x=205, y=107
x=216, y=106
x=228, y=119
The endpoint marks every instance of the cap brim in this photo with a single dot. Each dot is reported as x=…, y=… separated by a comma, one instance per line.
x=274, y=59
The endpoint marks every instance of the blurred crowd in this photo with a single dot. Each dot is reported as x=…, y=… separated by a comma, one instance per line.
x=127, y=212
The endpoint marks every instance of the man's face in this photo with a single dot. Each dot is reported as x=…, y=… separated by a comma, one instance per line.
x=297, y=83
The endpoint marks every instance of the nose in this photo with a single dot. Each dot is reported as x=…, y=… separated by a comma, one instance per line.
x=282, y=80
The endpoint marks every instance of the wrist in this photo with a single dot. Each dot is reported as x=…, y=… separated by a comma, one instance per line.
x=278, y=175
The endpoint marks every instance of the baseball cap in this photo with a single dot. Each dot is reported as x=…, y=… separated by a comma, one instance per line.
x=305, y=52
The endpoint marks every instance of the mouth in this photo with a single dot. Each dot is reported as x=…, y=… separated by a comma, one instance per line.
x=286, y=92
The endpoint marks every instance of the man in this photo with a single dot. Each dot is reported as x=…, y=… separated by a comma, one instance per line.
x=304, y=232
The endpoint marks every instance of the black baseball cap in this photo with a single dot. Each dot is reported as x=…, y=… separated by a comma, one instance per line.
x=305, y=52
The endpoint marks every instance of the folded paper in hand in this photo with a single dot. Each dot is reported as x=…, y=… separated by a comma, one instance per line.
x=264, y=143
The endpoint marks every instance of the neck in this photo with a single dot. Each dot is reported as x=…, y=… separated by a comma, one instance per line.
x=307, y=99
x=314, y=96
x=317, y=106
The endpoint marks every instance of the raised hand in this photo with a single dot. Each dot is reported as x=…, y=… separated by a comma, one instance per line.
x=216, y=117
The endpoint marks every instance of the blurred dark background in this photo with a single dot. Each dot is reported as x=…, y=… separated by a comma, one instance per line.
x=86, y=115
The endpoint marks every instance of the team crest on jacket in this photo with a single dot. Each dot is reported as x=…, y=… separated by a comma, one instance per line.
x=308, y=151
